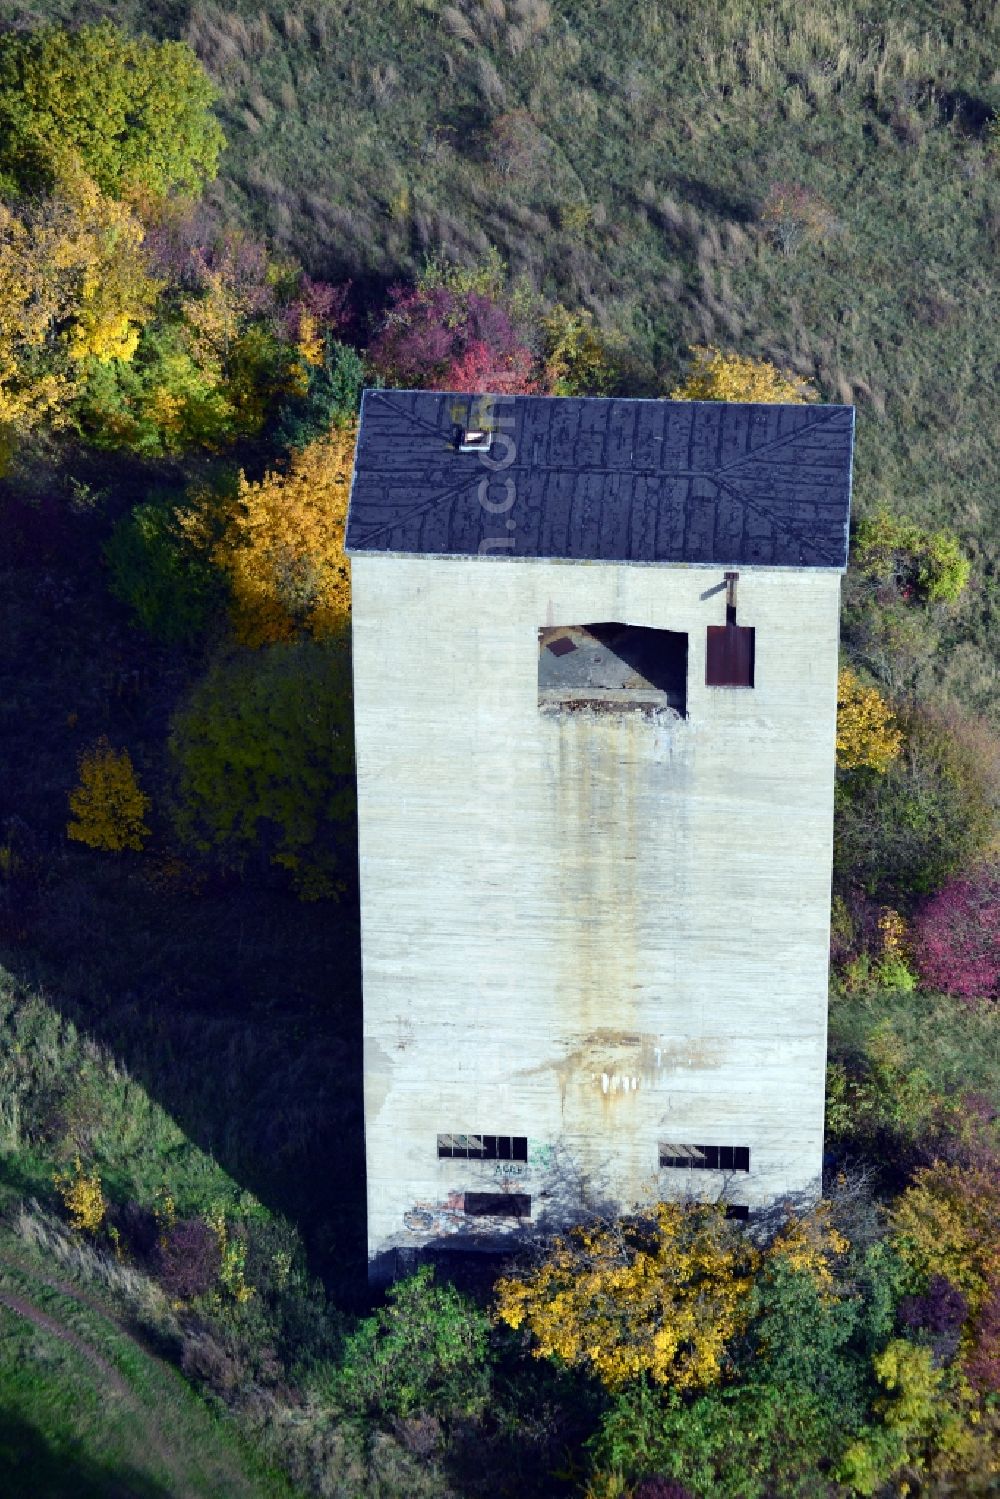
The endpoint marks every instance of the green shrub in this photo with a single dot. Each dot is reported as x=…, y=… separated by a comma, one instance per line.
x=886, y=1095
x=156, y=570
x=424, y=1353
x=577, y=357
x=136, y=113
x=802, y=1392
x=902, y=834
x=161, y=402
x=263, y=758
x=331, y=399
x=927, y=565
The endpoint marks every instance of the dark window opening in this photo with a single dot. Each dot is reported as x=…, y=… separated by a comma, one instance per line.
x=613, y=667
x=497, y=1205
x=706, y=1157
x=483, y=1147
x=729, y=657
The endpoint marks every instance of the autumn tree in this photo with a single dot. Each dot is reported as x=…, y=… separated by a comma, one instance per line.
x=74, y=292
x=262, y=752
x=439, y=337
x=241, y=336
x=947, y=1222
x=577, y=358
x=867, y=736
x=958, y=936
x=135, y=113
x=108, y=805
x=280, y=543
x=923, y=564
x=661, y=1297
x=715, y=376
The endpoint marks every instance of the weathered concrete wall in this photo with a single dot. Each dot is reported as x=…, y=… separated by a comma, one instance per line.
x=598, y=931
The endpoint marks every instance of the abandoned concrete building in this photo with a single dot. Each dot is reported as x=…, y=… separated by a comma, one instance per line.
x=595, y=661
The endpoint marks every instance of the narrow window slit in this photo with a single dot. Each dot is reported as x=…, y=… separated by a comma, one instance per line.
x=483, y=1147
x=705, y=1157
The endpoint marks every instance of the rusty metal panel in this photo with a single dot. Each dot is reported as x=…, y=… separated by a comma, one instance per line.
x=729, y=660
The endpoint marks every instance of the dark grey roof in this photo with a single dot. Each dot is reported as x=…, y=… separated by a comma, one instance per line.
x=604, y=480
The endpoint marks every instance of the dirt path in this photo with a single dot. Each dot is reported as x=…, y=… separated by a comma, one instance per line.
x=41, y=1319
x=155, y=1440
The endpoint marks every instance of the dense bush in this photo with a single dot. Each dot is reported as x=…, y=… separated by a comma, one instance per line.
x=135, y=113
x=188, y=1258
x=958, y=936
x=263, y=756
x=160, y=574
x=803, y=1386
x=331, y=398
x=424, y=1353
x=886, y=1102
x=162, y=402
x=715, y=376
x=938, y=1314
x=794, y=215
x=904, y=833
x=927, y=565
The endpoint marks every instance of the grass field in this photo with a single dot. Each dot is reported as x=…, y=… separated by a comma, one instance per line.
x=86, y=1412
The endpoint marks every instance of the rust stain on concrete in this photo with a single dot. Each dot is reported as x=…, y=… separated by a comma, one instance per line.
x=616, y=1064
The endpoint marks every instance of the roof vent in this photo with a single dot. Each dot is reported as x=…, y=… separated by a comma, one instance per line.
x=474, y=439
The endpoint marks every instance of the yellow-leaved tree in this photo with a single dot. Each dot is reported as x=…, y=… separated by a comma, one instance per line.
x=867, y=736
x=715, y=376
x=108, y=806
x=947, y=1222
x=661, y=1296
x=73, y=288
x=82, y=1197
x=280, y=543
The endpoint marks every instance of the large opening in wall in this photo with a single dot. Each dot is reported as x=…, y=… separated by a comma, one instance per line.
x=612, y=667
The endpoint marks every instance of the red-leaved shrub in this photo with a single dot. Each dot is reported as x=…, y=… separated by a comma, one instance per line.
x=958, y=936
x=188, y=1259
x=448, y=340
x=655, y=1487
x=479, y=369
